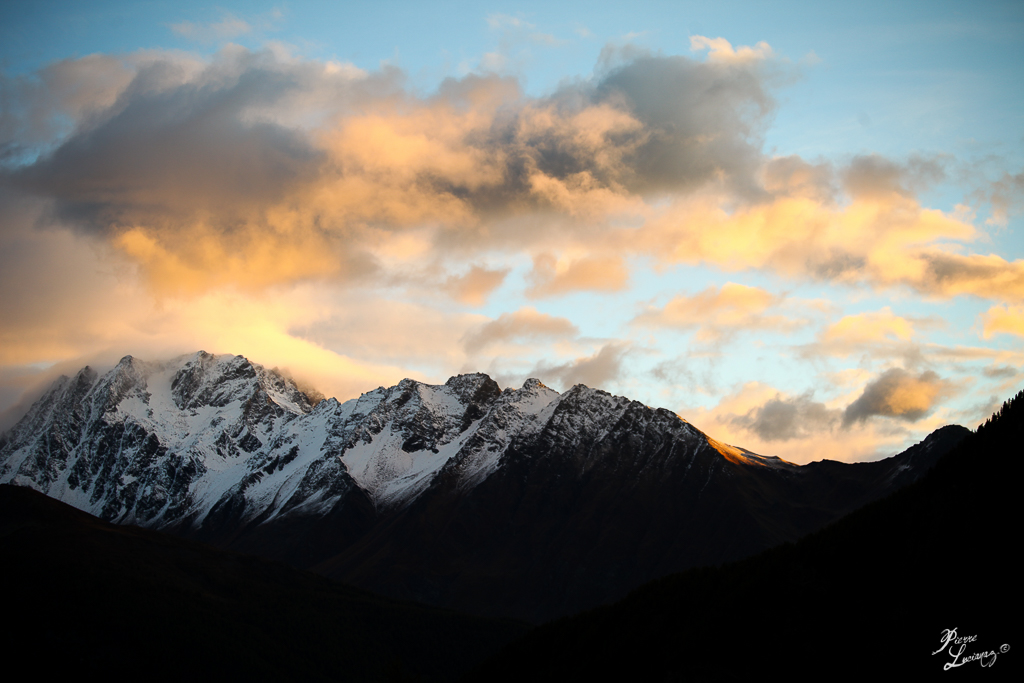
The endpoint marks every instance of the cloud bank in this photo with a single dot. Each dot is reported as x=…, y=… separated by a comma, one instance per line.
x=259, y=168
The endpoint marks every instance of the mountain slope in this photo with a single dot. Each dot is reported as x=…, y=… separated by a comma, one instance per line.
x=577, y=517
x=876, y=591
x=88, y=597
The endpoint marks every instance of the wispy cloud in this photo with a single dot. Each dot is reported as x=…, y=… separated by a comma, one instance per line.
x=552, y=277
x=227, y=27
x=720, y=311
x=526, y=324
x=475, y=286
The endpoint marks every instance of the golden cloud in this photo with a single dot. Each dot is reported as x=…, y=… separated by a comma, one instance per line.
x=552, y=276
x=474, y=287
x=768, y=421
x=880, y=241
x=721, y=50
x=258, y=168
x=898, y=393
x=198, y=170
x=852, y=332
x=209, y=259
x=717, y=311
x=1003, y=320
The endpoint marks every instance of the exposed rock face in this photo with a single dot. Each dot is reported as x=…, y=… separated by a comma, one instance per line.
x=518, y=502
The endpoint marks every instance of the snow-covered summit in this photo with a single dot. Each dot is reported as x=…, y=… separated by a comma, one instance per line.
x=142, y=441
x=206, y=438
x=167, y=442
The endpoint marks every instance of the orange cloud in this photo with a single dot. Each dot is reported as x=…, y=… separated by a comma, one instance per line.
x=209, y=259
x=1003, y=320
x=554, y=277
x=946, y=273
x=793, y=177
x=881, y=241
x=852, y=332
x=198, y=170
x=718, y=310
x=899, y=394
x=474, y=287
x=104, y=315
x=799, y=429
x=721, y=50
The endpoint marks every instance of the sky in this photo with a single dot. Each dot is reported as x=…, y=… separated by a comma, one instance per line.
x=798, y=226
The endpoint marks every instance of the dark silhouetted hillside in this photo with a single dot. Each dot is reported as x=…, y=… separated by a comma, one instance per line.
x=83, y=596
x=870, y=595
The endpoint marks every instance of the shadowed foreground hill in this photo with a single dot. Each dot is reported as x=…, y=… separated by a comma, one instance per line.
x=82, y=596
x=872, y=593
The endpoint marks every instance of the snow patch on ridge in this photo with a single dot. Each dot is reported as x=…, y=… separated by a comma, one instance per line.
x=421, y=427
x=517, y=413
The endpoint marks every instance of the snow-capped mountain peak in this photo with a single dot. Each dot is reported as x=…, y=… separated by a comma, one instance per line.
x=223, y=449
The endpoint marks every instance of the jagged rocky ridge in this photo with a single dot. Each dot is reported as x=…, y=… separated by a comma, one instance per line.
x=522, y=502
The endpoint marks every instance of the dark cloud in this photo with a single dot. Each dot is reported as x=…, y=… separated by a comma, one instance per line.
x=1007, y=197
x=229, y=26
x=172, y=150
x=648, y=125
x=781, y=418
x=702, y=119
x=675, y=372
x=990, y=276
x=38, y=109
x=899, y=394
x=1001, y=371
x=871, y=176
x=836, y=264
x=595, y=371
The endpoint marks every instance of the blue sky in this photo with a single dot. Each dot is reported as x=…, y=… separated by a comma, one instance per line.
x=797, y=226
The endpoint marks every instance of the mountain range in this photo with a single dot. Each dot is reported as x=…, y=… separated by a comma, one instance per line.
x=918, y=585
x=523, y=503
